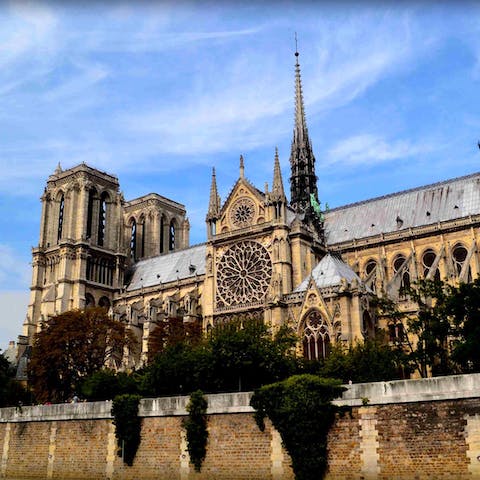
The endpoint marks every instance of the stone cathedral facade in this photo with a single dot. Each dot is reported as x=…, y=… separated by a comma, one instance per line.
x=266, y=256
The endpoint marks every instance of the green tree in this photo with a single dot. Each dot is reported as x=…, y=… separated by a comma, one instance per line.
x=245, y=356
x=369, y=361
x=463, y=306
x=71, y=346
x=429, y=330
x=106, y=384
x=232, y=357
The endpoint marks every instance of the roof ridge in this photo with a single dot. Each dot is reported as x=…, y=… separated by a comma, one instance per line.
x=178, y=250
x=401, y=192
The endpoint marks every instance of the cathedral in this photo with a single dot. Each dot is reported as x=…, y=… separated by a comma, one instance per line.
x=286, y=262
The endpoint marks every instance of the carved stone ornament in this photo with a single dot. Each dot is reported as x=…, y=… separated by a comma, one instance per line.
x=244, y=274
x=242, y=212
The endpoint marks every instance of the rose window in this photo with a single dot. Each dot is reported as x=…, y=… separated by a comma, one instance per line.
x=242, y=212
x=244, y=274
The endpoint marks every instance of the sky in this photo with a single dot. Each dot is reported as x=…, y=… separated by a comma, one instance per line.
x=158, y=93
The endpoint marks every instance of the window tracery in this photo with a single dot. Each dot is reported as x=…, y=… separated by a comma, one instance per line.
x=242, y=212
x=404, y=272
x=61, y=209
x=316, y=337
x=460, y=255
x=244, y=274
x=371, y=274
x=428, y=259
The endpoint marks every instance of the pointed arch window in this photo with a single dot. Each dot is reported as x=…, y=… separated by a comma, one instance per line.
x=171, y=236
x=102, y=218
x=142, y=239
x=91, y=199
x=403, y=271
x=60, y=217
x=316, y=337
x=371, y=274
x=162, y=234
x=428, y=259
x=133, y=239
x=460, y=254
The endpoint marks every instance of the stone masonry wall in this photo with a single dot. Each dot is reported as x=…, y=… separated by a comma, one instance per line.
x=401, y=430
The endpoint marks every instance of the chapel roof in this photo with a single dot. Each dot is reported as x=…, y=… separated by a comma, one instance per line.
x=329, y=272
x=177, y=265
x=425, y=205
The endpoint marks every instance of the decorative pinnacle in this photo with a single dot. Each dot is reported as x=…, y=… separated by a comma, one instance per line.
x=58, y=169
x=277, y=185
x=214, y=203
x=242, y=167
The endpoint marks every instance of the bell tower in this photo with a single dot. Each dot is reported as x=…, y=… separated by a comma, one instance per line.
x=79, y=260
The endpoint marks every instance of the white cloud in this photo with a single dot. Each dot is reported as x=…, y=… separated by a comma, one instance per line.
x=370, y=149
x=13, y=270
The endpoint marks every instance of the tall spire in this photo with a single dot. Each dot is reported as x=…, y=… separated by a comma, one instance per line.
x=277, y=185
x=303, y=181
x=214, y=203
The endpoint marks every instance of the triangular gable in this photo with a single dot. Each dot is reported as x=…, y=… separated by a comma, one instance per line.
x=244, y=199
x=313, y=299
x=241, y=182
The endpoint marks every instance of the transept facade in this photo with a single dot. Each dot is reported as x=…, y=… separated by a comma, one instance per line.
x=282, y=261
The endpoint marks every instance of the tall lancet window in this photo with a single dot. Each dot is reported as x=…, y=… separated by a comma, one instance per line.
x=91, y=199
x=133, y=240
x=162, y=234
x=171, y=236
x=316, y=338
x=60, y=217
x=102, y=218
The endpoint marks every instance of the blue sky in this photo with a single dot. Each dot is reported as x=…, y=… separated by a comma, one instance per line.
x=158, y=93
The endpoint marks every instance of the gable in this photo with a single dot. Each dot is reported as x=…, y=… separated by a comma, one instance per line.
x=244, y=207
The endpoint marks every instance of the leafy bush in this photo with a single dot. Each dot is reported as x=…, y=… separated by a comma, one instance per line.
x=196, y=429
x=128, y=425
x=106, y=384
x=300, y=409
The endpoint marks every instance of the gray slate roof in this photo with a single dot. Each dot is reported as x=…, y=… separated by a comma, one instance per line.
x=168, y=268
x=328, y=273
x=448, y=200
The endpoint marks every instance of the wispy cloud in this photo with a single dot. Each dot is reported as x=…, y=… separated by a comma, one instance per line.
x=14, y=272
x=370, y=149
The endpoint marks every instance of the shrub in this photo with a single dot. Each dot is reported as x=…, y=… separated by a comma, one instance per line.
x=300, y=409
x=128, y=425
x=196, y=429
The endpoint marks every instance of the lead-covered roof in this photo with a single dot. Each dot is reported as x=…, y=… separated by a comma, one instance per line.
x=430, y=204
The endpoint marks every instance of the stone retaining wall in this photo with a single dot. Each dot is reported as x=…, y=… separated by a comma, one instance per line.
x=416, y=429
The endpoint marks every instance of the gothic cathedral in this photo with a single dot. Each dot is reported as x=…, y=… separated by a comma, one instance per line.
x=283, y=261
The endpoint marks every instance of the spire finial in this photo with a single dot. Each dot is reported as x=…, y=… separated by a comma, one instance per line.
x=58, y=169
x=296, y=45
x=214, y=203
x=242, y=167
